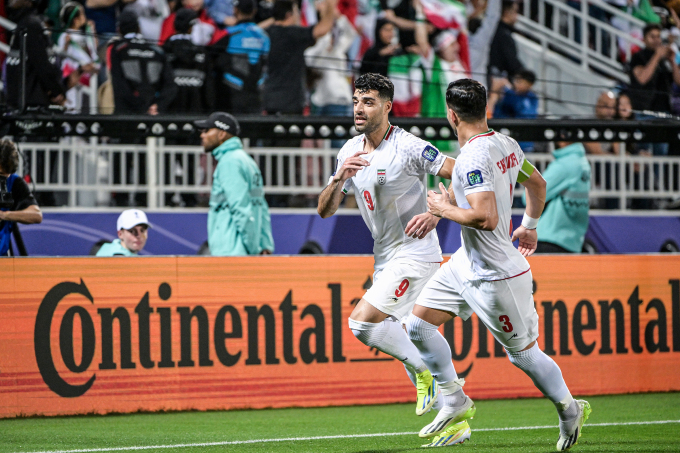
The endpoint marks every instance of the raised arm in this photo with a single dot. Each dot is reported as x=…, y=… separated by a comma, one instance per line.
x=327, y=18
x=332, y=195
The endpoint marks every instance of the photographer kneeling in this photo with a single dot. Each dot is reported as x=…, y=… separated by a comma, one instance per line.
x=16, y=200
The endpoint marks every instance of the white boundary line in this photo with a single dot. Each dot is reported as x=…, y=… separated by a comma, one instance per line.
x=342, y=436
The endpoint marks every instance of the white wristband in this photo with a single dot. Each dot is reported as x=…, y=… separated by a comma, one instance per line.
x=529, y=222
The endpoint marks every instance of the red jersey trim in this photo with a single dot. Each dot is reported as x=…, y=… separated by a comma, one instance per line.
x=508, y=278
x=485, y=134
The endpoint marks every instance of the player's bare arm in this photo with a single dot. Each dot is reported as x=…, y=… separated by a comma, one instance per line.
x=420, y=225
x=535, y=189
x=332, y=195
x=482, y=215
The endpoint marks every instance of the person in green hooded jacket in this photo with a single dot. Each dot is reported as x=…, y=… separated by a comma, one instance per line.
x=562, y=227
x=238, y=219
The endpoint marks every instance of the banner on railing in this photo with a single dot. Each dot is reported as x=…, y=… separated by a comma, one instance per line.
x=97, y=335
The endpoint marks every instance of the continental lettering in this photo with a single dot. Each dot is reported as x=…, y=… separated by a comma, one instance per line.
x=287, y=334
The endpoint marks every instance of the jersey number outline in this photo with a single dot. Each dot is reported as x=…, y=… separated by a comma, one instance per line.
x=369, y=200
x=506, y=321
x=403, y=286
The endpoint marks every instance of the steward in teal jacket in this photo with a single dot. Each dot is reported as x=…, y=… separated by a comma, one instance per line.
x=238, y=220
x=565, y=219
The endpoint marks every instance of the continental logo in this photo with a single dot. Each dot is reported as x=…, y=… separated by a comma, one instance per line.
x=640, y=323
x=228, y=323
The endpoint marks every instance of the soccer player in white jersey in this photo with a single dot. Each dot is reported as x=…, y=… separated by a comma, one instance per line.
x=487, y=274
x=385, y=166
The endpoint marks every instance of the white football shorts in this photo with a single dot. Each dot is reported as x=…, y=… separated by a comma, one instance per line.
x=397, y=285
x=506, y=307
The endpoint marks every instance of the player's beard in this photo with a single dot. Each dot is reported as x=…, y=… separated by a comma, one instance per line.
x=371, y=125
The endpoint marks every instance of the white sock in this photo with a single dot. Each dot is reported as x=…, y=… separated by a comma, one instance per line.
x=389, y=337
x=434, y=350
x=547, y=377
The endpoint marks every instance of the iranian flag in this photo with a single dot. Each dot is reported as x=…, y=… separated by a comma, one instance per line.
x=445, y=13
x=405, y=72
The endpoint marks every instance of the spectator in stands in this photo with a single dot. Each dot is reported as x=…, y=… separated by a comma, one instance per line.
x=332, y=93
x=242, y=62
x=222, y=12
x=141, y=76
x=43, y=79
x=284, y=89
x=605, y=109
x=151, y=15
x=653, y=71
x=517, y=101
x=403, y=15
x=103, y=14
x=191, y=68
x=132, y=227
x=386, y=45
x=481, y=34
x=20, y=206
x=503, y=59
x=78, y=48
x=238, y=219
x=205, y=32
x=562, y=227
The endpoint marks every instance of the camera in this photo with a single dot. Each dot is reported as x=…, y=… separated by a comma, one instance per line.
x=6, y=200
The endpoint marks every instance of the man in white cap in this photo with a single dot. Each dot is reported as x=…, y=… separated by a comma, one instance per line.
x=132, y=229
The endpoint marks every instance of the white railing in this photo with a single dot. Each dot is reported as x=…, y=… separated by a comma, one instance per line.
x=559, y=31
x=89, y=172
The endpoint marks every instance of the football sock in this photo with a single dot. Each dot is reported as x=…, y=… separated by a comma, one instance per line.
x=547, y=377
x=389, y=337
x=436, y=353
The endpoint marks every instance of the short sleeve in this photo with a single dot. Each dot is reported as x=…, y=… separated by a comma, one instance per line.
x=422, y=157
x=304, y=36
x=342, y=155
x=22, y=195
x=475, y=173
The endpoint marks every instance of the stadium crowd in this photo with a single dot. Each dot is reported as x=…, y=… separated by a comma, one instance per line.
x=299, y=56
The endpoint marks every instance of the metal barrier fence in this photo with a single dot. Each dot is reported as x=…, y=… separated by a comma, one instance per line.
x=87, y=173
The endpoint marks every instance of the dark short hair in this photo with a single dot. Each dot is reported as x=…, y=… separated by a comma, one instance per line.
x=507, y=5
x=281, y=9
x=467, y=98
x=527, y=75
x=378, y=82
x=650, y=27
x=9, y=156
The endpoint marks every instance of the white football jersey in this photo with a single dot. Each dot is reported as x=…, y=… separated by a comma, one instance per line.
x=390, y=192
x=490, y=162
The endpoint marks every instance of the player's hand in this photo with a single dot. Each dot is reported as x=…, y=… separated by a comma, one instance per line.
x=528, y=240
x=437, y=203
x=420, y=225
x=351, y=166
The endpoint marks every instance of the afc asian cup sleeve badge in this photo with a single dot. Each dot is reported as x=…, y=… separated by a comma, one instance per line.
x=382, y=177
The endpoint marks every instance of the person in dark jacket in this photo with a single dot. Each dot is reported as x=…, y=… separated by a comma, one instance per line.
x=242, y=62
x=140, y=74
x=503, y=59
x=386, y=45
x=43, y=78
x=191, y=68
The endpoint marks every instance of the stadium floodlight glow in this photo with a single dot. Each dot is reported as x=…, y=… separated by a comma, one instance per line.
x=415, y=130
x=309, y=130
x=549, y=134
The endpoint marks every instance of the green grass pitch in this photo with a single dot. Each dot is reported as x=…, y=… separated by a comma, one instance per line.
x=622, y=423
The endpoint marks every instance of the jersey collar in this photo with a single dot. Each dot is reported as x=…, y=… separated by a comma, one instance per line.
x=388, y=134
x=483, y=134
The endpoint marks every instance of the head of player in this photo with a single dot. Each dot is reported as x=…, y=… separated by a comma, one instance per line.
x=466, y=108
x=373, y=95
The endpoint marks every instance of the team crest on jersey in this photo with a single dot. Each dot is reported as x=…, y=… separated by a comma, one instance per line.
x=475, y=177
x=382, y=177
x=430, y=153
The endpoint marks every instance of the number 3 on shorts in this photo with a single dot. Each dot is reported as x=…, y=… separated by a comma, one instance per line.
x=505, y=320
x=403, y=286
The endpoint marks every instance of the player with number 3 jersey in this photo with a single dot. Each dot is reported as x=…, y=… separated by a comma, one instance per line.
x=487, y=275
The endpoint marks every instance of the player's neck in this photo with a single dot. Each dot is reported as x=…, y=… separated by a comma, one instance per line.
x=373, y=139
x=468, y=130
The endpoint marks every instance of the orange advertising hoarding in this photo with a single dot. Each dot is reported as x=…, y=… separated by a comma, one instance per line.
x=101, y=335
